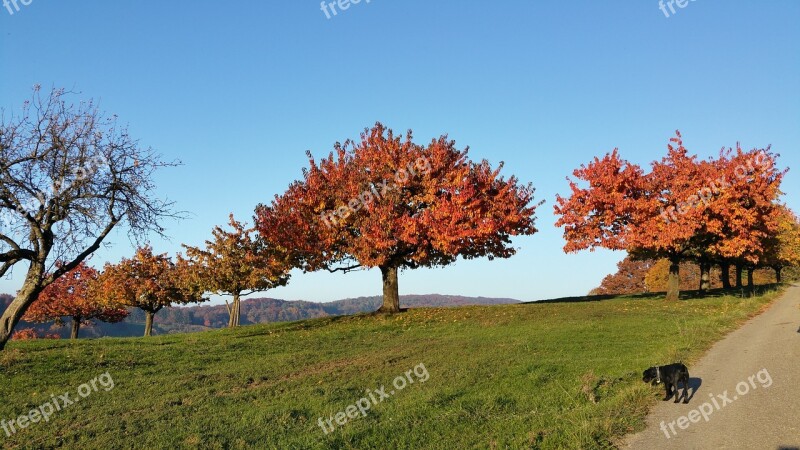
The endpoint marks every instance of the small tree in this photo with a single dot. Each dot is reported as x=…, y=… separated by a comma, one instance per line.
x=74, y=296
x=149, y=282
x=629, y=278
x=237, y=264
x=388, y=203
x=782, y=249
x=68, y=176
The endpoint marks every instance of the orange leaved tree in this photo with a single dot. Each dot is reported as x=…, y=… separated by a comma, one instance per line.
x=683, y=209
x=629, y=278
x=782, y=249
x=236, y=263
x=386, y=202
x=744, y=214
x=149, y=282
x=74, y=295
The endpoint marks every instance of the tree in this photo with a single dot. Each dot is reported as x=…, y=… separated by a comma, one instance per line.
x=625, y=209
x=68, y=176
x=30, y=334
x=683, y=209
x=629, y=278
x=235, y=263
x=744, y=213
x=388, y=203
x=73, y=295
x=657, y=278
x=149, y=282
x=782, y=249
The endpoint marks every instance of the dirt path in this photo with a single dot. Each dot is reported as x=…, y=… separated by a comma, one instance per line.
x=747, y=386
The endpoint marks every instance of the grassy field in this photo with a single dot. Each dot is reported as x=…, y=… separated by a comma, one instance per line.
x=552, y=375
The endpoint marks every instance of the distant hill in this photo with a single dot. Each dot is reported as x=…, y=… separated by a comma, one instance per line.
x=254, y=311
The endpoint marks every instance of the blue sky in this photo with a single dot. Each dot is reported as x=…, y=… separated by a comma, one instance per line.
x=239, y=90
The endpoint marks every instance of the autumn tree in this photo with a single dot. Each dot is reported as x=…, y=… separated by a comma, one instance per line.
x=782, y=248
x=30, y=334
x=386, y=202
x=683, y=209
x=74, y=295
x=629, y=278
x=149, y=282
x=743, y=214
x=238, y=264
x=691, y=276
x=69, y=175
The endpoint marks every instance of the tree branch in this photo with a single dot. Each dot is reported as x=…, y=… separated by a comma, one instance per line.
x=344, y=269
x=83, y=255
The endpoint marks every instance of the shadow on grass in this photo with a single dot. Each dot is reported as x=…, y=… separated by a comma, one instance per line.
x=685, y=295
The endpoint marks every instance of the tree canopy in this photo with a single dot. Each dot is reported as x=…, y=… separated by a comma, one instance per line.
x=682, y=209
x=390, y=203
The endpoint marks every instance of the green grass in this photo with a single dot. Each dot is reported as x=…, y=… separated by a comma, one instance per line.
x=555, y=375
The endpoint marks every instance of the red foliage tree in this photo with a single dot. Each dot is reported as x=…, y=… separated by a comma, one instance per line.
x=73, y=296
x=744, y=215
x=25, y=334
x=683, y=209
x=390, y=203
x=629, y=278
x=149, y=282
x=30, y=334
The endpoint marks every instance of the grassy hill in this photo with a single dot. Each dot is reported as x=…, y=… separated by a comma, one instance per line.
x=540, y=375
x=254, y=311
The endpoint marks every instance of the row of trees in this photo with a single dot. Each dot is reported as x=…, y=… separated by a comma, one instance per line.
x=723, y=211
x=69, y=175
x=637, y=276
x=234, y=263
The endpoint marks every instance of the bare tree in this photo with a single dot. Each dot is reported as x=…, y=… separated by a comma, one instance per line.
x=68, y=176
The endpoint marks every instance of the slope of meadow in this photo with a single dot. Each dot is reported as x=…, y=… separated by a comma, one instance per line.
x=549, y=375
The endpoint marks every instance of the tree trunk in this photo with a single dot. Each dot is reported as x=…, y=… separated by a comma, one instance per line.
x=739, y=270
x=674, y=283
x=726, y=275
x=750, y=279
x=778, y=274
x=148, y=323
x=235, y=312
x=391, y=291
x=76, y=327
x=27, y=295
x=705, y=276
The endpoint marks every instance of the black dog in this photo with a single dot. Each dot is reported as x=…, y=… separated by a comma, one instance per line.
x=670, y=375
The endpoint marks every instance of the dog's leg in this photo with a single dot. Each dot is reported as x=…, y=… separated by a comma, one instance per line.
x=686, y=387
x=677, y=391
x=668, y=393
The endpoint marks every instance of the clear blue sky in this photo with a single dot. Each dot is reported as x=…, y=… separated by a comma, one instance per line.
x=239, y=90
